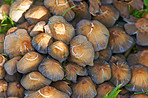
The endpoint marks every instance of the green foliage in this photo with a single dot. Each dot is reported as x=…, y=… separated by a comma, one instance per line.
x=8, y=2
x=4, y=54
x=68, y=10
x=145, y=2
x=146, y=92
x=139, y=13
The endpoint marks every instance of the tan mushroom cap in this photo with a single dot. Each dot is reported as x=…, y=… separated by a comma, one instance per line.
x=95, y=31
x=118, y=57
x=47, y=92
x=2, y=37
x=2, y=70
x=142, y=24
x=81, y=51
x=29, y=62
x=3, y=86
x=4, y=10
x=59, y=51
x=11, y=30
x=146, y=15
x=108, y=15
x=17, y=43
x=94, y=7
x=139, y=96
x=58, y=7
x=136, y=4
x=34, y=81
x=131, y=29
x=24, y=25
x=18, y=8
x=37, y=14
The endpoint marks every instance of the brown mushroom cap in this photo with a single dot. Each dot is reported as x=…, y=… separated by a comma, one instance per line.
x=3, y=88
x=85, y=88
x=106, y=1
x=139, y=96
x=95, y=31
x=81, y=51
x=36, y=14
x=142, y=24
x=131, y=29
x=136, y=4
x=59, y=51
x=131, y=19
x=29, y=62
x=139, y=79
x=108, y=15
x=2, y=37
x=118, y=57
x=100, y=72
x=94, y=7
x=59, y=7
x=34, y=81
x=146, y=15
x=4, y=9
x=2, y=70
x=24, y=25
x=13, y=78
x=11, y=30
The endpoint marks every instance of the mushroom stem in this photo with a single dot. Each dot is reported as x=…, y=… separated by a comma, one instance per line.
x=129, y=51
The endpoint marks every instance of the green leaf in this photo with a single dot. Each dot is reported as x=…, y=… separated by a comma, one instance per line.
x=145, y=2
x=68, y=10
x=4, y=54
x=115, y=95
x=106, y=96
x=128, y=85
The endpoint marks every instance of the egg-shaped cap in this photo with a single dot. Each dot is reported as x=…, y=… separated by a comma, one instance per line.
x=81, y=51
x=51, y=69
x=17, y=43
x=95, y=31
x=85, y=88
x=139, y=79
x=119, y=41
x=2, y=37
x=41, y=41
x=4, y=9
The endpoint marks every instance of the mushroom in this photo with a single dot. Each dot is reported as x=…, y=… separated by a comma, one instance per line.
x=61, y=29
x=146, y=15
x=13, y=78
x=81, y=51
x=119, y=41
x=11, y=30
x=2, y=70
x=38, y=28
x=15, y=89
x=60, y=7
x=2, y=37
x=139, y=96
x=51, y=69
x=17, y=43
x=100, y=72
x=118, y=57
x=139, y=79
x=73, y=70
x=95, y=31
x=4, y=10
x=59, y=51
x=18, y=8
x=85, y=88
x=24, y=25
x=124, y=93
x=34, y=81
x=37, y=14
x=29, y=62
x=136, y=4
x=10, y=66
x=30, y=28
x=47, y=91
x=62, y=86
x=3, y=88
x=96, y=55
x=41, y=41
x=106, y=1
x=108, y=15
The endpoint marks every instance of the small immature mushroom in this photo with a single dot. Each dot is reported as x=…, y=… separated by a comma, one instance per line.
x=85, y=88
x=3, y=88
x=29, y=62
x=108, y=15
x=100, y=72
x=10, y=66
x=37, y=14
x=139, y=79
x=121, y=73
x=62, y=86
x=95, y=31
x=15, y=89
x=24, y=25
x=139, y=96
x=41, y=41
x=47, y=92
x=11, y=30
x=119, y=41
x=18, y=8
x=34, y=81
x=72, y=70
x=38, y=28
x=51, y=69
x=2, y=37
x=61, y=29
x=81, y=51
x=59, y=7
x=17, y=43
x=59, y=51
x=2, y=70
x=13, y=78
x=4, y=10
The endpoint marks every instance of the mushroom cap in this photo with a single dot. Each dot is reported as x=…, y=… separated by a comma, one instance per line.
x=131, y=19
x=61, y=29
x=51, y=69
x=3, y=86
x=47, y=91
x=84, y=88
x=13, y=78
x=10, y=66
x=72, y=70
x=108, y=15
x=29, y=62
x=118, y=57
x=146, y=15
x=4, y=9
x=121, y=73
x=11, y=30
x=2, y=37
x=81, y=51
x=119, y=41
x=17, y=43
x=41, y=41
x=131, y=29
x=106, y=1
x=142, y=24
x=59, y=51
x=139, y=96
x=95, y=31
x=34, y=81
x=2, y=62
x=36, y=14
x=100, y=72
x=24, y=25
x=139, y=79
x=59, y=7
x=136, y=4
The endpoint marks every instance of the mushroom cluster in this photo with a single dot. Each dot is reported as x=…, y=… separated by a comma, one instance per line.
x=73, y=49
